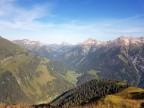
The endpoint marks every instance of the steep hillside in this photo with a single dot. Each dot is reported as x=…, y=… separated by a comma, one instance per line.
x=93, y=90
x=8, y=50
x=10, y=90
x=33, y=77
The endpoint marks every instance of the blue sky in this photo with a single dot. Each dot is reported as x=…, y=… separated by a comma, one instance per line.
x=73, y=21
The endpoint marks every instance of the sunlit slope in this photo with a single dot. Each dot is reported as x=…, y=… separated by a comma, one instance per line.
x=35, y=75
x=131, y=97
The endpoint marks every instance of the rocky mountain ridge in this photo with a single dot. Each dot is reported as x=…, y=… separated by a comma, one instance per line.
x=121, y=41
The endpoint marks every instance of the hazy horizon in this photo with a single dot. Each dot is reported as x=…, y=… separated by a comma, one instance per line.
x=65, y=42
x=57, y=21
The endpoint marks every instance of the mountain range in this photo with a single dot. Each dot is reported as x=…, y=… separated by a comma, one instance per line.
x=119, y=59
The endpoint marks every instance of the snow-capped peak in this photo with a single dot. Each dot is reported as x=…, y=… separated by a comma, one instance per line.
x=123, y=40
x=91, y=41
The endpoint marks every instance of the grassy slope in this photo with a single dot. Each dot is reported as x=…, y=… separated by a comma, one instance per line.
x=29, y=71
x=34, y=74
x=123, y=99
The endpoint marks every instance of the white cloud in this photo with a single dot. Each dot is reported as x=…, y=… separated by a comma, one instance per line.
x=12, y=16
x=17, y=22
